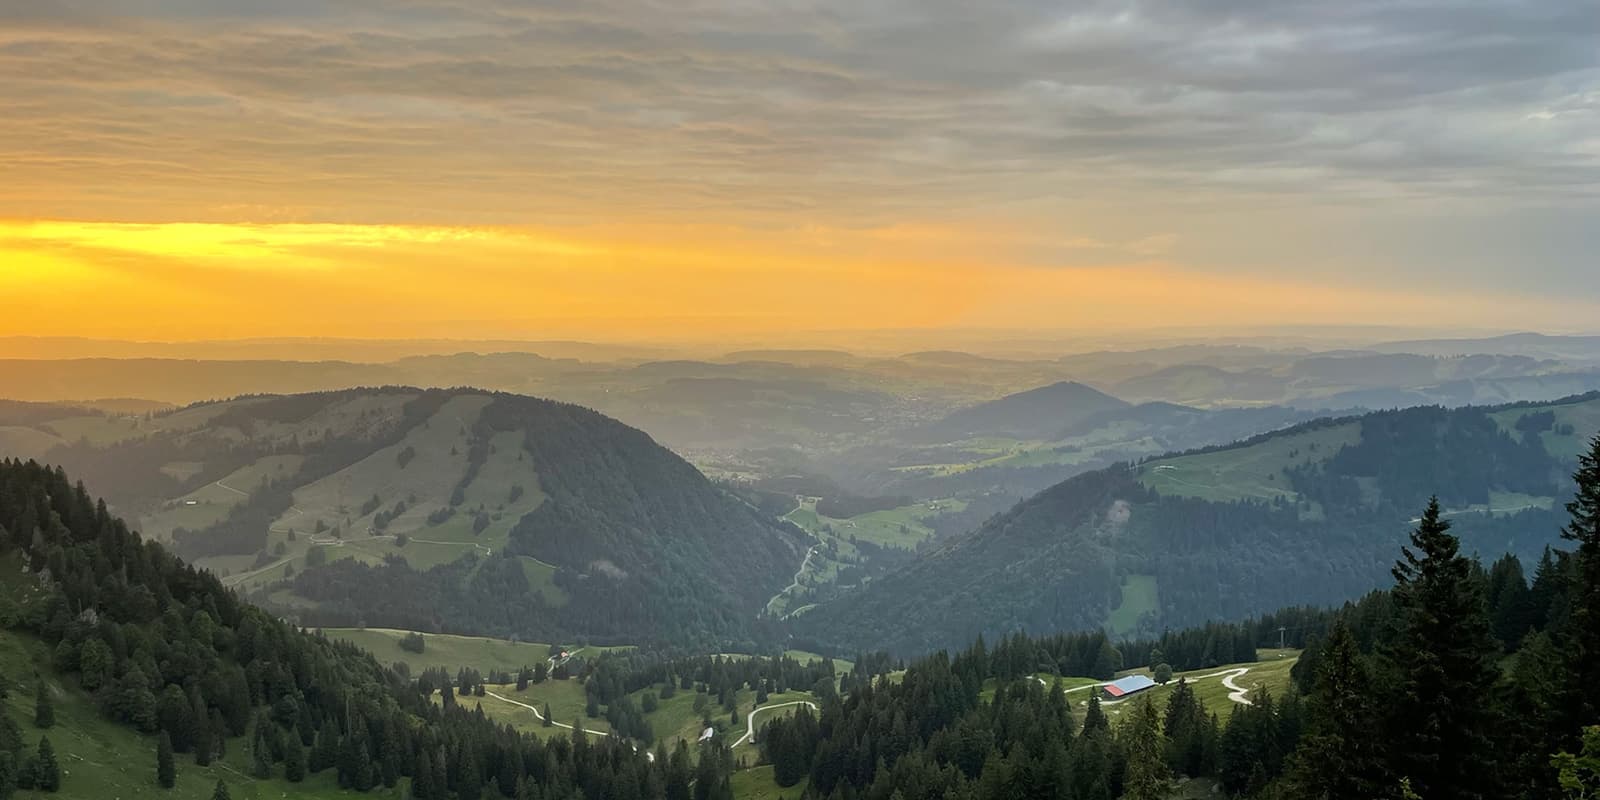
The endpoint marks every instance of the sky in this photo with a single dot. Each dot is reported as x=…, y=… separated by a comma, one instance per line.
x=603, y=169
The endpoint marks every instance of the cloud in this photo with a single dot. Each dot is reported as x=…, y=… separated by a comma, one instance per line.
x=1122, y=122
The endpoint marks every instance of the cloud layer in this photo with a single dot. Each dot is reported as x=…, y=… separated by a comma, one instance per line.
x=1353, y=141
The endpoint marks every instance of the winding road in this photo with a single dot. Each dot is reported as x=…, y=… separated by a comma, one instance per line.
x=750, y=720
x=540, y=716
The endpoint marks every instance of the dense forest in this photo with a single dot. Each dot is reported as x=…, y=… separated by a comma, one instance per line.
x=1059, y=560
x=168, y=651
x=1456, y=682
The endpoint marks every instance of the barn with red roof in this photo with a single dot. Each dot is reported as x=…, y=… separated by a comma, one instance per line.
x=1123, y=687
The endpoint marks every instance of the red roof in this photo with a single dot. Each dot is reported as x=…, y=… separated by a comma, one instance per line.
x=1113, y=691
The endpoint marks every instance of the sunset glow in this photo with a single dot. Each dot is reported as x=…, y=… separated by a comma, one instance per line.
x=196, y=280
x=616, y=169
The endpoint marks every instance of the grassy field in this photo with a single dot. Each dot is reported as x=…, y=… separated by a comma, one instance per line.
x=565, y=699
x=1584, y=417
x=334, y=503
x=101, y=760
x=840, y=666
x=1271, y=671
x=452, y=652
x=757, y=783
x=209, y=504
x=1246, y=473
x=17, y=441
x=897, y=527
x=97, y=430
x=1139, y=594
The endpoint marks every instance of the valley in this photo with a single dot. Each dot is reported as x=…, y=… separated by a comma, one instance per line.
x=559, y=573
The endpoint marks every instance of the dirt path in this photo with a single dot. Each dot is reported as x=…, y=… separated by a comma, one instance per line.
x=750, y=720
x=540, y=716
x=231, y=489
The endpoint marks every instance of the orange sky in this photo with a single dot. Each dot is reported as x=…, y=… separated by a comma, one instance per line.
x=178, y=281
x=622, y=169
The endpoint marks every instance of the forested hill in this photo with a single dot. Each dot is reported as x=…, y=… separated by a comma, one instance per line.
x=1310, y=514
x=1458, y=682
x=135, y=647
x=463, y=511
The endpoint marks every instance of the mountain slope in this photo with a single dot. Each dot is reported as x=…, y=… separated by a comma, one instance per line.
x=1032, y=414
x=461, y=510
x=125, y=642
x=1308, y=515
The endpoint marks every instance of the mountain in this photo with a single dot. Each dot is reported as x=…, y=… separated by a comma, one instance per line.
x=1033, y=414
x=1534, y=345
x=455, y=510
x=1307, y=515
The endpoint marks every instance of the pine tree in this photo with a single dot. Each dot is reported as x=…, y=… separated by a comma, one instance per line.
x=221, y=792
x=44, y=712
x=547, y=720
x=261, y=749
x=1090, y=762
x=219, y=734
x=294, y=762
x=203, y=746
x=470, y=787
x=1444, y=660
x=46, y=772
x=1147, y=777
x=1583, y=629
x=8, y=773
x=166, y=770
x=1184, y=743
x=1338, y=757
x=325, y=751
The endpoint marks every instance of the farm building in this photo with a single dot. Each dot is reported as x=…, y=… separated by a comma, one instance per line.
x=1118, y=689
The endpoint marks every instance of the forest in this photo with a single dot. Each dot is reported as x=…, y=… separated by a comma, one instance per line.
x=1457, y=681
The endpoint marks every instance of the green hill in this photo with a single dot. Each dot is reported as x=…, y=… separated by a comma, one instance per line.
x=128, y=673
x=1311, y=514
x=460, y=511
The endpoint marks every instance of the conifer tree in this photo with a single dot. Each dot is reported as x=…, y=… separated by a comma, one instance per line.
x=166, y=770
x=1338, y=757
x=8, y=773
x=219, y=734
x=1583, y=639
x=261, y=750
x=221, y=792
x=1147, y=777
x=46, y=772
x=44, y=712
x=294, y=761
x=1444, y=662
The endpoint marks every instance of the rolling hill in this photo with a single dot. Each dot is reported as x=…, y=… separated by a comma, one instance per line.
x=459, y=510
x=1035, y=413
x=1307, y=515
